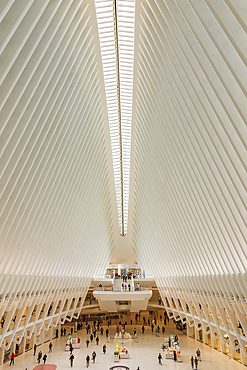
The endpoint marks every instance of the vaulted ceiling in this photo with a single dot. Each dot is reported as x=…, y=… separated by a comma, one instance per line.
x=184, y=180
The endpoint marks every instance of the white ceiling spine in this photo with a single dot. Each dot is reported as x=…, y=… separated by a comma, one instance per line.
x=116, y=32
x=188, y=175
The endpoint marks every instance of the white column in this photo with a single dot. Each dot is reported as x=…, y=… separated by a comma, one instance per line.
x=1, y=356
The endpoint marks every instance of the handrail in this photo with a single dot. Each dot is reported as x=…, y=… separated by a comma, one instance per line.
x=131, y=289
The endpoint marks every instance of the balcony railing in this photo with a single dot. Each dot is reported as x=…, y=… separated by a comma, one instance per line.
x=131, y=289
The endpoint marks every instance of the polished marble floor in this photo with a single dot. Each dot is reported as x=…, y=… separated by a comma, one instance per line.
x=143, y=353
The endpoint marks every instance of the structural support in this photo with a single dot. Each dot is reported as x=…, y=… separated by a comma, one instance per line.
x=119, y=113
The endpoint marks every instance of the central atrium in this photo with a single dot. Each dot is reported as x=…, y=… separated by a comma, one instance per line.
x=123, y=181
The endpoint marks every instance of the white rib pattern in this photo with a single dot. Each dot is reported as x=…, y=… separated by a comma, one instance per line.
x=57, y=196
x=189, y=178
x=187, y=216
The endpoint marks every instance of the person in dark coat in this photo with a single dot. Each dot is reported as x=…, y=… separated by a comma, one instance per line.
x=71, y=359
x=39, y=357
x=44, y=358
x=196, y=362
x=160, y=358
x=192, y=362
x=94, y=356
x=174, y=355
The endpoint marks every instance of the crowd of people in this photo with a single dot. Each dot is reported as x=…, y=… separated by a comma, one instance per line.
x=195, y=360
x=94, y=330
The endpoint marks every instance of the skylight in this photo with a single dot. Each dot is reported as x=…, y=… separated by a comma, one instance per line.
x=117, y=49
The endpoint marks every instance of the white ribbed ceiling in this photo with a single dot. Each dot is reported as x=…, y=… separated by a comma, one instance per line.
x=184, y=174
x=57, y=199
x=190, y=135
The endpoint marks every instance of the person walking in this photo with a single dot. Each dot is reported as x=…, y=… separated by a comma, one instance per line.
x=94, y=356
x=87, y=342
x=50, y=347
x=174, y=355
x=196, y=362
x=160, y=358
x=91, y=337
x=87, y=360
x=97, y=340
x=45, y=358
x=143, y=329
x=192, y=362
x=104, y=349
x=39, y=357
x=106, y=333
x=198, y=354
x=71, y=348
x=71, y=359
x=12, y=359
x=34, y=349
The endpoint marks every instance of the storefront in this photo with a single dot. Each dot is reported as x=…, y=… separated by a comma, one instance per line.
x=38, y=339
x=208, y=340
x=217, y=344
x=237, y=355
x=29, y=342
x=191, y=331
x=55, y=332
x=47, y=335
x=6, y=356
x=19, y=348
x=200, y=336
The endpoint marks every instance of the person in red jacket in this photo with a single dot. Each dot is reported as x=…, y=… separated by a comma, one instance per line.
x=12, y=361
